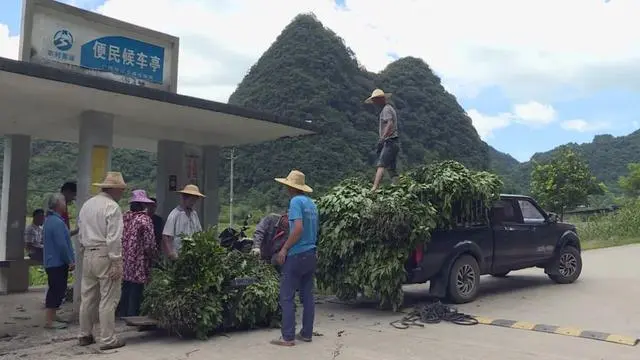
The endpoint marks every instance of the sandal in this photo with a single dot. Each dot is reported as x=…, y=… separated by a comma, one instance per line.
x=282, y=342
x=56, y=325
x=302, y=338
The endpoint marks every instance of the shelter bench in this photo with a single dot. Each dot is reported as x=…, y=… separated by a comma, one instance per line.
x=4, y=264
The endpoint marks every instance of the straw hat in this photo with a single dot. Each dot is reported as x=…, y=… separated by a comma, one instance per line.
x=140, y=196
x=113, y=180
x=295, y=180
x=376, y=94
x=192, y=190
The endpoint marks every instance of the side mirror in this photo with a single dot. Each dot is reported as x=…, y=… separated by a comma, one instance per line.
x=552, y=218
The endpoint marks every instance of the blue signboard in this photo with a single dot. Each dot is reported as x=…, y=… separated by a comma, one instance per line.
x=124, y=56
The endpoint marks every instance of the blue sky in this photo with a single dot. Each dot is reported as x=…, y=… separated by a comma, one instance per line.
x=11, y=11
x=518, y=106
x=618, y=107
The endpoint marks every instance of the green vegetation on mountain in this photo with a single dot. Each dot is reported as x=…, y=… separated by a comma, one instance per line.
x=607, y=157
x=309, y=74
x=509, y=170
x=54, y=162
x=630, y=184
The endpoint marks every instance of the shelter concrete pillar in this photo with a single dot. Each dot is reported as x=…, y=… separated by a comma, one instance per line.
x=94, y=160
x=94, y=152
x=13, y=210
x=179, y=164
x=211, y=171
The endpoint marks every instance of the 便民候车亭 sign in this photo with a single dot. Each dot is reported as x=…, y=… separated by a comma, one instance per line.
x=124, y=56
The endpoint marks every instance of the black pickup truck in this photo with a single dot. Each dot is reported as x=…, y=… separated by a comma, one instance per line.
x=514, y=233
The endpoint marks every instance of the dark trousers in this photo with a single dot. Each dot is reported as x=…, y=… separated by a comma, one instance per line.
x=36, y=254
x=57, y=278
x=298, y=272
x=130, y=299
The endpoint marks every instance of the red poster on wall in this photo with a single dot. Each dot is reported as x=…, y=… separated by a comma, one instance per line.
x=192, y=170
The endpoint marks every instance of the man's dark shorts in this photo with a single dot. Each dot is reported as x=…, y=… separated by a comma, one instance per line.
x=57, y=278
x=388, y=156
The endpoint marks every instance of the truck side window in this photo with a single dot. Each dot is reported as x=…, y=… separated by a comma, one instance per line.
x=503, y=211
x=530, y=213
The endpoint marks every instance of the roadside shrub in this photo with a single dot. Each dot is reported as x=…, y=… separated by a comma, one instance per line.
x=192, y=296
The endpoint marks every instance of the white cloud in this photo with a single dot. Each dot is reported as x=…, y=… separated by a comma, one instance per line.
x=530, y=49
x=581, y=125
x=532, y=114
x=486, y=124
x=9, y=45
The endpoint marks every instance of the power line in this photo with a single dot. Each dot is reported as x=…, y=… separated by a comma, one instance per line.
x=231, y=155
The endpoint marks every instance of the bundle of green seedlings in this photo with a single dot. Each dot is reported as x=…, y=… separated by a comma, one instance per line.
x=193, y=296
x=366, y=237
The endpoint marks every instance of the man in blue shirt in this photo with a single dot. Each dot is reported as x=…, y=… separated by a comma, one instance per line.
x=298, y=260
x=58, y=257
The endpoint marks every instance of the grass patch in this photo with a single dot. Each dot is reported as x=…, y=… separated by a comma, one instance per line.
x=595, y=244
x=611, y=229
x=38, y=277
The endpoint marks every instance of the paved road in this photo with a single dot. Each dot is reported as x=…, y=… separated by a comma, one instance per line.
x=604, y=299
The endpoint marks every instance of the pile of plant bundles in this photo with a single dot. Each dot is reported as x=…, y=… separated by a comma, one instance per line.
x=366, y=237
x=193, y=297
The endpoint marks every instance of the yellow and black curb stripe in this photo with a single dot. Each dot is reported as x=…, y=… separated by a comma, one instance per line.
x=553, y=329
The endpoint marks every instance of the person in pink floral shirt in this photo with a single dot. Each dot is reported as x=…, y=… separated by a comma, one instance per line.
x=138, y=252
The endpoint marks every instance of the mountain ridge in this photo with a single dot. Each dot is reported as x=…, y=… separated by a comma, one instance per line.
x=309, y=73
x=598, y=154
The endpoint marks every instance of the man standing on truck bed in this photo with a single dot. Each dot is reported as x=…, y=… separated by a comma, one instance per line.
x=388, y=147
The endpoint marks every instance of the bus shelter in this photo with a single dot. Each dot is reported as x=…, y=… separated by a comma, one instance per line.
x=102, y=83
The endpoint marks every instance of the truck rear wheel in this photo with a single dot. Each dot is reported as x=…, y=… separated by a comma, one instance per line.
x=567, y=266
x=464, y=280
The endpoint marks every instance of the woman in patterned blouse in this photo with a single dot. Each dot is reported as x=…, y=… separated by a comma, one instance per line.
x=138, y=252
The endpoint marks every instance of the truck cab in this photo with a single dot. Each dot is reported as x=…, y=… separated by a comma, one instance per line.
x=513, y=233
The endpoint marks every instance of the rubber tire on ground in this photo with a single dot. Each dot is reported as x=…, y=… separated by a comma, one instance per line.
x=501, y=275
x=556, y=263
x=452, y=290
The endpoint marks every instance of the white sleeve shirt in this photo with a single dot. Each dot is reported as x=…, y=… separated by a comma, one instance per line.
x=100, y=222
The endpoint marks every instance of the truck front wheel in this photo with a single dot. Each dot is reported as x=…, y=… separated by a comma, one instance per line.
x=464, y=280
x=567, y=266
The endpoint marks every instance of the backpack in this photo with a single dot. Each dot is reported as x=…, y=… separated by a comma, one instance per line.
x=275, y=238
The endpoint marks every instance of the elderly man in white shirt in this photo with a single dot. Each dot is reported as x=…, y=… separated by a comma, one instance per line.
x=183, y=220
x=100, y=223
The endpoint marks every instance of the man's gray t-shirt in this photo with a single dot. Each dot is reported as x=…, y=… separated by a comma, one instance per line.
x=179, y=222
x=388, y=114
